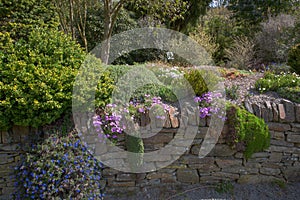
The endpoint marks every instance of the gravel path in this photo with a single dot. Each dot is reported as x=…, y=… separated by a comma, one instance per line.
x=263, y=191
x=246, y=90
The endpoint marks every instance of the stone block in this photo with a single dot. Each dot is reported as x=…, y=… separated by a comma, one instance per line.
x=265, y=113
x=273, y=126
x=277, y=135
x=158, y=175
x=202, y=122
x=202, y=132
x=205, y=168
x=122, y=184
x=275, y=157
x=297, y=110
x=296, y=128
x=254, y=179
x=212, y=179
x=153, y=182
x=171, y=179
x=269, y=111
x=187, y=176
x=6, y=137
x=281, y=143
x=269, y=171
x=126, y=177
x=239, y=155
x=292, y=173
x=167, y=123
x=222, y=150
x=289, y=111
x=281, y=112
x=294, y=138
x=109, y=172
x=173, y=118
x=192, y=159
x=275, y=112
x=248, y=106
x=260, y=155
x=227, y=162
x=224, y=175
x=257, y=109
x=274, y=148
x=7, y=191
x=9, y=147
x=240, y=170
x=160, y=138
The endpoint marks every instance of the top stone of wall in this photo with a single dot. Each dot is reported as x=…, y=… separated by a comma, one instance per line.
x=284, y=112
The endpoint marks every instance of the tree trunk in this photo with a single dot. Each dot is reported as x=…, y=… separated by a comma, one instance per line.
x=107, y=35
x=111, y=12
x=72, y=19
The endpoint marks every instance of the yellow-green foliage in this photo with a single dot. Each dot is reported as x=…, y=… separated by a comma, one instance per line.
x=294, y=58
x=195, y=78
x=36, y=77
x=248, y=130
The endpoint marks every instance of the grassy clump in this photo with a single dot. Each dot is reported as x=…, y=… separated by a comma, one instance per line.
x=247, y=132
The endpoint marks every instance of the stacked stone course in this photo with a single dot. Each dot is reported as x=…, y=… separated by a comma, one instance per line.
x=279, y=162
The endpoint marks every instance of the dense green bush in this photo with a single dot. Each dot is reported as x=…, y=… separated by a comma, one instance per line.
x=195, y=78
x=294, y=58
x=286, y=84
x=59, y=168
x=247, y=132
x=20, y=17
x=36, y=77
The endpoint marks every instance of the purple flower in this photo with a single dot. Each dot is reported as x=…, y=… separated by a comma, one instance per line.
x=141, y=110
x=160, y=117
x=156, y=100
x=111, y=105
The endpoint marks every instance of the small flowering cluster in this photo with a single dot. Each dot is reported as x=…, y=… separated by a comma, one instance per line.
x=112, y=120
x=60, y=168
x=109, y=125
x=208, y=105
x=167, y=75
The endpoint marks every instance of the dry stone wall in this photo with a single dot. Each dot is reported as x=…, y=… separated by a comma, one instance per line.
x=279, y=162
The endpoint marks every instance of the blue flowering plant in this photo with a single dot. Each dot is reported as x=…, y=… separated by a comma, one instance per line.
x=59, y=168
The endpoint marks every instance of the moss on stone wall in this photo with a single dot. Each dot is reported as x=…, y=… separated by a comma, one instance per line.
x=247, y=132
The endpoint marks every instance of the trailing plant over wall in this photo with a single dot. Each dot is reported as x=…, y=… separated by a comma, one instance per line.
x=61, y=167
x=247, y=133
